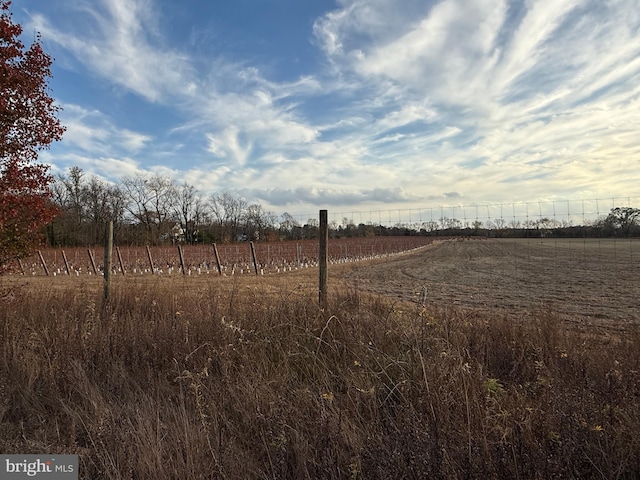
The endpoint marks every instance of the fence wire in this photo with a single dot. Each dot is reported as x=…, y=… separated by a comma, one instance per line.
x=563, y=212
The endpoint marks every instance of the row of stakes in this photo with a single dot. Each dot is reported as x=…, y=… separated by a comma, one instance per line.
x=221, y=269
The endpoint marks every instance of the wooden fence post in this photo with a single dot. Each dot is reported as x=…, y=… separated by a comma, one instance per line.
x=215, y=252
x=253, y=256
x=93, y=261
x=323, y=258
x=181, y=257
x=120, y=259
x=66, y=263
x=108, y=250
x=44, y=264
x=150, y=260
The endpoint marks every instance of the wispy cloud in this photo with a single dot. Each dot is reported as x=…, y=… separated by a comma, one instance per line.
x=518, y=80
x=411, y=102
x=93, y=132
x=119, y=40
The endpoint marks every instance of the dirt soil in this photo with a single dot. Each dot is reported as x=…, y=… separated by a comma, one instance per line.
x=587, y=280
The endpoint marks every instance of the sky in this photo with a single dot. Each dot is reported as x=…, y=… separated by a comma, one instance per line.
x=357, y=105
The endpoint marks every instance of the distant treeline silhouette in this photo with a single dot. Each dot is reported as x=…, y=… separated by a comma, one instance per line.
x=155, y=210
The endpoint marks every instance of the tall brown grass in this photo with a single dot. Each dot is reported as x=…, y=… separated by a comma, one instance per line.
x=173, y=379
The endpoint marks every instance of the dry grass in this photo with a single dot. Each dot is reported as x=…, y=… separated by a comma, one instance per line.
x=237, y=379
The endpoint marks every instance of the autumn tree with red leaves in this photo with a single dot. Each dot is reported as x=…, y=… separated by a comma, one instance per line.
x=28, y=124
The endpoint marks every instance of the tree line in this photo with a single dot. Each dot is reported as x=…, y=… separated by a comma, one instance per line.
x=154, y=209
x=150, y=210
x=619, y=222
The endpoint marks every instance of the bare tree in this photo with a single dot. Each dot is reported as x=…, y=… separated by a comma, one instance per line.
x=149, y=201
x=102, y=203
x=86, y=206
x=257, y=221
x=228, y=212
x=66, y=228
x=289, y=227
x=311, y=229
x=450, y=223
x=72, y=200
x=189, y=209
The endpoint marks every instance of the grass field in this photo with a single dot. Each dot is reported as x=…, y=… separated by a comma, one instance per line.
x=245, y=377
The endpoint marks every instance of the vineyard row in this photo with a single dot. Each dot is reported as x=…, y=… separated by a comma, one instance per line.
x=268, y=258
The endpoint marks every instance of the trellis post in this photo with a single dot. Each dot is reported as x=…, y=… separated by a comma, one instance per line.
x=93, y=261
x=44, y=264
x=66, y=263
x=150, y=260
x=215, y=252
x=323, y=258
x=108, y=250
x=253, y=256
x=120, y=259
x=181, y=257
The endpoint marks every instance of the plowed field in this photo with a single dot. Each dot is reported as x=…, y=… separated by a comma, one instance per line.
x=587, y=280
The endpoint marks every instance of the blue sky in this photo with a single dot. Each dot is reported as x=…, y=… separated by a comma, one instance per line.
x=350, y=104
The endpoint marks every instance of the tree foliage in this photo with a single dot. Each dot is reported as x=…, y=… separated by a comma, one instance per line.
x=623, y=219
x=28, y=124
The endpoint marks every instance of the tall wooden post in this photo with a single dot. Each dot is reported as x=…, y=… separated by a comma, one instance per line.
x=253, y=256
x=66, y=263
x=120, y=259
x=93, y=261
x=44, y=264
x=215, y=252
x=181, y=257
x=323, y=258
x=150, y=260
x=108, y=250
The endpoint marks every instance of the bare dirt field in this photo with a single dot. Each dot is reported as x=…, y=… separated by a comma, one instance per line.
x=588, y=280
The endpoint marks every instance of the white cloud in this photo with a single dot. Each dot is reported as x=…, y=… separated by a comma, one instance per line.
x=93, y=132
x=105, y=167
x=525, y=48
x=216, y=146
x=121, y=44
x=244, y=122
x=117, y=42
x=407, y=114
x=522, y=87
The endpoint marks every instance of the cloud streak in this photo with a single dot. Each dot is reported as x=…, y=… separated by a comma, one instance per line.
x=488, y=100
x=118, y=41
